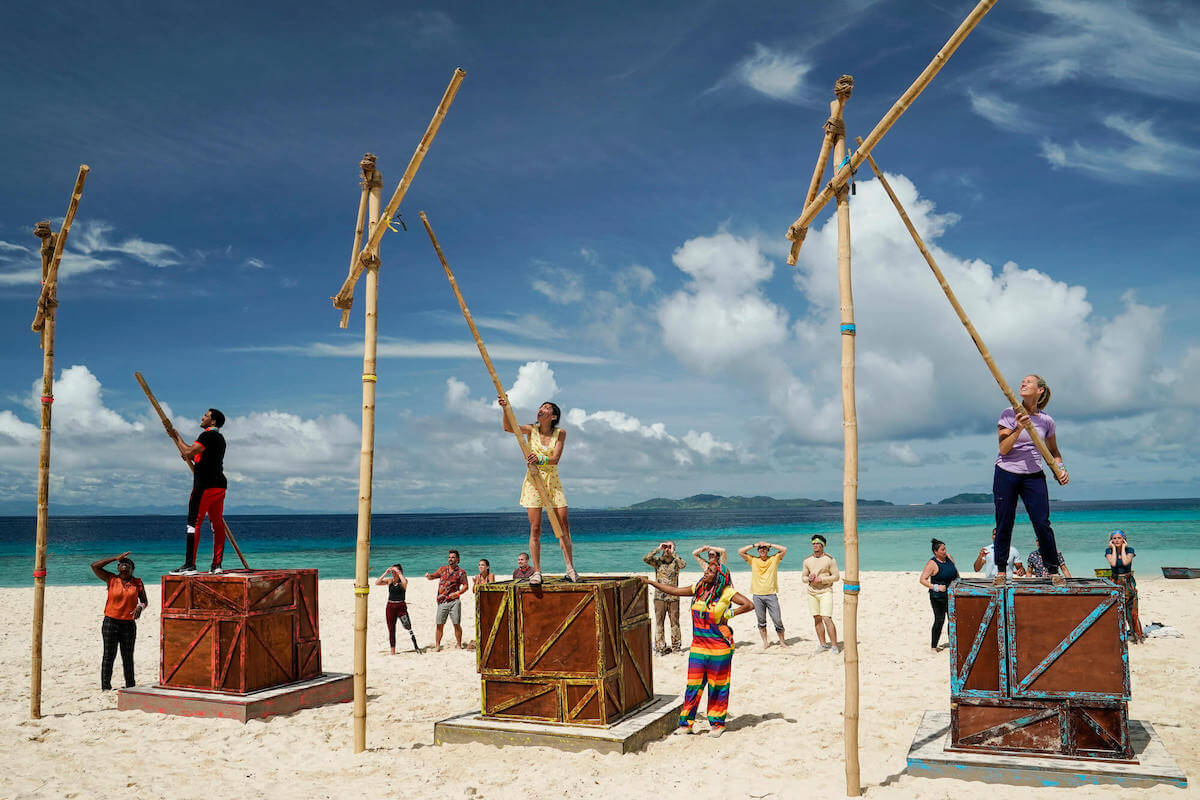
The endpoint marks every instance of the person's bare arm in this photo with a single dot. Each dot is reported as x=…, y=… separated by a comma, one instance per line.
x=504, y=417
x=782, y=550
x=433, y=576
x=1062, y=568
x=1126, y=556
x=927, y=573
x=744, y=605
x=1111, y=557
x=386, y=577
x=560, y=440
x=666, y=588
x=1052, y=446
x=188, y=451
x=98, y=566
x=744, y=552
x=143, y=600
x=979, y=559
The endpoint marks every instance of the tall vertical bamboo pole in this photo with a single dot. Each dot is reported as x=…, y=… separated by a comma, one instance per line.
x=372, y=182
x=841, y=89
x=1009, y=395
x=44, y=323
x=842, y=174
x=535, y=475
x=43, y=232
x=849, y=476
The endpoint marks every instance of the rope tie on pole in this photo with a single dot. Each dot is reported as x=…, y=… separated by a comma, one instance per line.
x=851, y=588
x=835, y=127
x=843, y=87
x=848, y=329
x=362, y=589
x=369, y=377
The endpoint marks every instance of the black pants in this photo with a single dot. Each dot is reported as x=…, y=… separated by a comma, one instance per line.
x=1031, y=489
x=122, y=633
x=940, y=602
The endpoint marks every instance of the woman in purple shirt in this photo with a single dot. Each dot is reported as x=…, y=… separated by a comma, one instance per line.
x=1019, y=474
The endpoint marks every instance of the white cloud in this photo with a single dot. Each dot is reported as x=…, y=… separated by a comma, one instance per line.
x=1143, y=153
x=999, y=112
x=559, y=285
x=1147, y=48
x=635, y=278
x=534, y=385
x=396, y=348
x=93, y=237
x=256, y=263
x=903, y=454
x=774, y=73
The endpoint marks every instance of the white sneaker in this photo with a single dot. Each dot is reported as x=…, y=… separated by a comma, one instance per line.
x=683, y=730
x=217, y=571
x=716, y=732
x=535, y=579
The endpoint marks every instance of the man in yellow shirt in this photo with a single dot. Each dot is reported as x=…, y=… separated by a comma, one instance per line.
x=821, y=573
x=764, y=586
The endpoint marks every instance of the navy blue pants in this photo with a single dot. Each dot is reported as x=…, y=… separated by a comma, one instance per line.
x=1031, y=489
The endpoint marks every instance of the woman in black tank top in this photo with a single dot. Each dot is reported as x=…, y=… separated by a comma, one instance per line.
x=397, y=609
x=939, y=572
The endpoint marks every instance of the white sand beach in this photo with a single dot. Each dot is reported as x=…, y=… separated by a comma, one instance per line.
x=784, y=738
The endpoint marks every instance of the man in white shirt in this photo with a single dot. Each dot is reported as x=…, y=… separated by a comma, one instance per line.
x=1015, y=567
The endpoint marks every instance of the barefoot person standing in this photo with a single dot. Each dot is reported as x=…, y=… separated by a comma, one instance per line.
x=1018, y=474
x=207, y=455
x=546, y=442
x=937, y=576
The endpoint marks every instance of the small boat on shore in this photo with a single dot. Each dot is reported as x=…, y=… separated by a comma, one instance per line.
x=1181, y=572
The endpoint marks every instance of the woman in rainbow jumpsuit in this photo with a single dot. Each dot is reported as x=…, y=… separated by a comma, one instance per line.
x=711, y=656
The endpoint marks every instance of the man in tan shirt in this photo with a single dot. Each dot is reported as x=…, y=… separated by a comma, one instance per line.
x=821, y=573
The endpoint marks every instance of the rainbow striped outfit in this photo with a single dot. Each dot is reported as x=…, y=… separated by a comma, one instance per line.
x=709, y=662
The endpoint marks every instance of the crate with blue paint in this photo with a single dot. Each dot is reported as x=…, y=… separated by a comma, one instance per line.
x=1039, y=668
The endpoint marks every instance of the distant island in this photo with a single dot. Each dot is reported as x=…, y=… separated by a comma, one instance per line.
x=966, y=497
x=716, y=501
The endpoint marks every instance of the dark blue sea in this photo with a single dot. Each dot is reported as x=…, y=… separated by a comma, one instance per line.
x=894, y=538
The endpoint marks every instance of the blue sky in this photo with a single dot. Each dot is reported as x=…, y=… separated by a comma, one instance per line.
x=612, y=187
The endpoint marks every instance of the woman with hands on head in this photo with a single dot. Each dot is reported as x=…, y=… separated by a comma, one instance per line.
x=397, y=608
x=710, y=659
x=1120, y=557
x=126, y=599
x=546, y=442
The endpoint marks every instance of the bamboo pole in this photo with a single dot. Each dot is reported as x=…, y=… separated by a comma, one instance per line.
x=894, y=113
x=170, y=429
x=43, y=232
x=367, y=165
x=842, y=89
x=44, y=323
x=344, y=299
x=535, y=475
x=373, y=183
x=47, y=299
x=1013, y=400
x=850, y=587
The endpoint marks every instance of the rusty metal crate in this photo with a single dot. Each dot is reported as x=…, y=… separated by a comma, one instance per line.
x=239, y=632
x=1066, y=728
x=576, y=653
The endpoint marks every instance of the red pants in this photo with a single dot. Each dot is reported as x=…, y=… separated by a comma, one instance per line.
x=210, y=503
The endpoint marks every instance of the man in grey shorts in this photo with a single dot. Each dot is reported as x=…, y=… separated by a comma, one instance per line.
x=764, y=586
x=452, y=582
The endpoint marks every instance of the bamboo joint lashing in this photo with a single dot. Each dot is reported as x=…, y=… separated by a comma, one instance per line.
x=362, y=589
x=843, y=87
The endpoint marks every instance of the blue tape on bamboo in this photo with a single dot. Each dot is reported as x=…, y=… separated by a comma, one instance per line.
x=848, y=329
x=369, y=377
x=851, y=587
x=362, y=589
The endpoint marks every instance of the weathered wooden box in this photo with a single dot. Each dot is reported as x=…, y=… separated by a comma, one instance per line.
x=1091, y=729
x=1038, y=668
x=239, y=632
x=575, y=653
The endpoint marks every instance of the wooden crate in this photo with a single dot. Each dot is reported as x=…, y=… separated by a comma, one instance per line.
x=1039, y=669
x=239, y=632
x=1033, y=640
x=575, y=653
x=1067, y=728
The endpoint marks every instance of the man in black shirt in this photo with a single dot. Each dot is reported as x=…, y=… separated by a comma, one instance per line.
x=207, y=455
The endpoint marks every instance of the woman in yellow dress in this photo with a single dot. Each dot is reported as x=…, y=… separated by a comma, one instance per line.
x=546, y=441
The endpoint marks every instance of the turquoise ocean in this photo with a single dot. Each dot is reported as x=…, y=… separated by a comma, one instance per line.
x=891, y=538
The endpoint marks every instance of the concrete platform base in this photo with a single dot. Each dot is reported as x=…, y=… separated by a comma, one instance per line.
x=329, y=688
x=928, y=758
x=632, y=733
